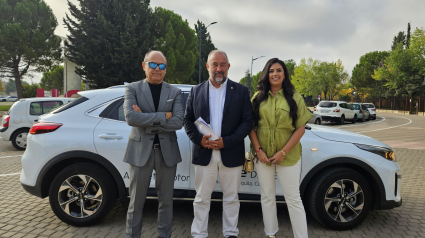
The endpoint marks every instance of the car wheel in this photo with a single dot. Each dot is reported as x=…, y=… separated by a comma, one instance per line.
x=354, y=119
x=340, y=199
x=317, y=121
x=363, y=118
x=19, y=139
x=374, y=118
x=82, y=194
x=341, y=120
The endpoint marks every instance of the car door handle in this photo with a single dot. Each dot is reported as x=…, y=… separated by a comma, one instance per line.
x=111, y=136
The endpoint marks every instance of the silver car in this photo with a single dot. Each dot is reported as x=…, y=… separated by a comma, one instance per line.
x=361, y=111
x=315, y=119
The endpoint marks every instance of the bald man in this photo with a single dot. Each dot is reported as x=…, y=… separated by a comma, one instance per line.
x=154, y=110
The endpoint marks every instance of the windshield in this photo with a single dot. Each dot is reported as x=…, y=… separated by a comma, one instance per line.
x=327, y=104
x=369, y=105
x=355, y=106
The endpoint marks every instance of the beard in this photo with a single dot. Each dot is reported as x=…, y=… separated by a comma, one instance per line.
x=219, y=79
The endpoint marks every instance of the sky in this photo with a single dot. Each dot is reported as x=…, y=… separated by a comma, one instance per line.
x=326, y=30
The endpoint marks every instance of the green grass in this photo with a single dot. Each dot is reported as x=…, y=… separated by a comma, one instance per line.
x=5, y=107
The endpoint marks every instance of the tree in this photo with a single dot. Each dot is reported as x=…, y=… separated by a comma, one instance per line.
x=246, y=80
x=362, y=73
x=305, y=78
x=11, y=86
x=177, y=41
x=109, y=39
x=1, y=86
x=399, y=39
x=53, y=79
x=290, y=65
x=29, y=91
x=207, y=46
x=403, y=71
x=408, y=36
x=27, y=39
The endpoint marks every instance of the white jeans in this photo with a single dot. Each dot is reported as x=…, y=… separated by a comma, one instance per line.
x=289, y=178
x=205, y=181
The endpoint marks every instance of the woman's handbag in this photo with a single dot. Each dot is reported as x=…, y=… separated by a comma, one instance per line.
x=249, y=162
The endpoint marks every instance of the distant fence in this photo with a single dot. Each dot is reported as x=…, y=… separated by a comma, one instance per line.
x=411, y=105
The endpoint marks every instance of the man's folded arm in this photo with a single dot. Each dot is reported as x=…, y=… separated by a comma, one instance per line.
x=175, y=122
x=244, y=127
x=189, y=121
x=139, y=119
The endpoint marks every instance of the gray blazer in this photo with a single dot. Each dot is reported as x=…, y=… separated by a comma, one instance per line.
x=148, y=123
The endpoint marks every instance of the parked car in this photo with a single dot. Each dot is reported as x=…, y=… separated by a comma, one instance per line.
x=2, y=99
x=372, y=110
x=10, y=99
x=315, y=119
x=22, y=114
x=75, y=157
x=336, y=111
x=361, y=111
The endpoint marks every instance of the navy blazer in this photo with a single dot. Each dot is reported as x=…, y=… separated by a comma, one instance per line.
x=236, y=125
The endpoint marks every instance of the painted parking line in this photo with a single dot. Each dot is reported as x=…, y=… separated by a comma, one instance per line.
x=410, y=121
x=10, y=156
x=362, y=124
x=4, y=175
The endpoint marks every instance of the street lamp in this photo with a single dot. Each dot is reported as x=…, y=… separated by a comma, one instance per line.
x=200, y=33
x=252, y=61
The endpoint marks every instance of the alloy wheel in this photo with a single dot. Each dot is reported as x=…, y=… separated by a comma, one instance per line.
x=344, y=200
x=80, y=196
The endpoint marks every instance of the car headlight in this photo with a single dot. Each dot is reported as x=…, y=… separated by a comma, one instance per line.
x=384, y=152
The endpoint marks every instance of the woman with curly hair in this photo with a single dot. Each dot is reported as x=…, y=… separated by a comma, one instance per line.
x=280, y=115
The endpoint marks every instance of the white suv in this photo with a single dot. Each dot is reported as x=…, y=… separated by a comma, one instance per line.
x=75, y=156
x=336, y=111
x=22, y=114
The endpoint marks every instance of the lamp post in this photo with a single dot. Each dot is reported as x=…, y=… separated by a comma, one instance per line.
x=250, y=82
x=200, y=33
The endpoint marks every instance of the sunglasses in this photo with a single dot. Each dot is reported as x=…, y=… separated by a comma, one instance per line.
x=153, y=65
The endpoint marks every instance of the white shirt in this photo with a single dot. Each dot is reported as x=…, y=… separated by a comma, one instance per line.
x=217, y=98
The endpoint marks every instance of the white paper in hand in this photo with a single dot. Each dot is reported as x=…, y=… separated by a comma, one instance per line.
x=205, y=129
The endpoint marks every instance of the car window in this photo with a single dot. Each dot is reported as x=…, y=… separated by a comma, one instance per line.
x=121, y=116
x=342, y=105
x=48, y=106
x=369, y=105
x=355, y=106
x=36, y=108
x=327, y=104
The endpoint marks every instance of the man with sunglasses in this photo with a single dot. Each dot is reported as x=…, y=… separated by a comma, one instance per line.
x=154, y=110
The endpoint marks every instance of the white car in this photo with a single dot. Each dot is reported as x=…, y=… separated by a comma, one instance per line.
x=336, y=111
x=10, y=99
x=22, y=114
x=372, y=110
x=75, y=156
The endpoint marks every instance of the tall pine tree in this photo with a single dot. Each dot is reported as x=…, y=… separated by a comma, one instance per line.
x=400, y=38
x=108, y=40
x=27, y=39
x=174, y=37
x=408, y=36
x=206, y=47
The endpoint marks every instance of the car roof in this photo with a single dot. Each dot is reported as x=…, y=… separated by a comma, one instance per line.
x=45, y=99
x=119, y=90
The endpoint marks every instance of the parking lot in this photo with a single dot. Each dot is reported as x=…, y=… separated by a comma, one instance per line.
x=23, y=215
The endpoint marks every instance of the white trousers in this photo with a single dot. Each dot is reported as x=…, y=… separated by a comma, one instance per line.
x=289, y=178
x=205, y=181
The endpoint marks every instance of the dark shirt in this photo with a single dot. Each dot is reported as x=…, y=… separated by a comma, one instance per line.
x=156, y=93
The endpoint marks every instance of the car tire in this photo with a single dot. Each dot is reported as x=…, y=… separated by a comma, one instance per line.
x=19, y=139
x=341, y=120
x=363, y=119
x=326, y=197
x=317, y=121
x=354, y=119
x=374, y=118
x=67, y=193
